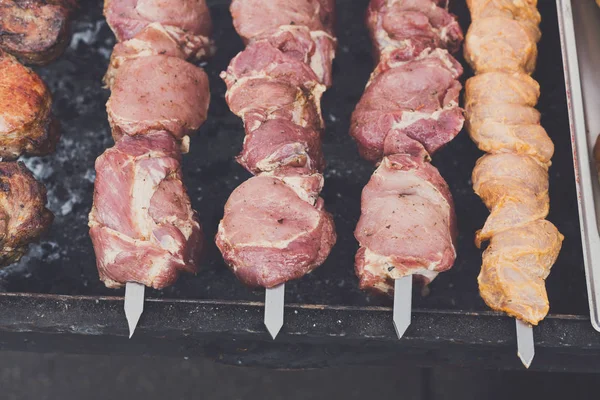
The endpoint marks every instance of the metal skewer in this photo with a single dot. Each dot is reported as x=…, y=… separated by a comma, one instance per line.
x=134, y=304
x=274, y=302
x=525, y=343
x=402, y=304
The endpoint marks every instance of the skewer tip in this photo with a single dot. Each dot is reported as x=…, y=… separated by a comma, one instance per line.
x=525, y=342
x=134, y=304
x=402, y=304
x=274, y=304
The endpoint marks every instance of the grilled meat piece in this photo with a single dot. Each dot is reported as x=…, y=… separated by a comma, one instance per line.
x=512, y=179
x=409, y=107
x=26, y=122
x=403, y=29
x=23, y=213
x=187, y=21
x=142, y=224
x=407, y=224
x=158, y=93
x=270, y=234
x=35, y=31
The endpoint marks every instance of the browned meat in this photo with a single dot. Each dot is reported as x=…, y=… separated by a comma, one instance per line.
x=35, y=31
x=407, y=224
x=26, y=122
x=187, y=21
x=23, y=213
x=271, y=239
x=142, y=224
x=176, y=101
x=275, y=228
x=408, y=111
x=512, y=180
x=403, y=29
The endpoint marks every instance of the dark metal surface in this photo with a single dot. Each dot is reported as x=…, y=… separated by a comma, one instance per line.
x=64, y=262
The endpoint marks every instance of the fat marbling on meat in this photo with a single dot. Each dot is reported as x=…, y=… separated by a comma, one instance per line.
x=408, y=111
x=275, y=227
x=142, y=224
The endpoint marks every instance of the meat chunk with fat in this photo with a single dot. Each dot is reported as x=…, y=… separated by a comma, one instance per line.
x=158, y=93
x=274, y=231
x=23, y=213
x=142, y=225
x=407, y=224
x=254, y=19
x=409, y=107
x=26, y=122
x=35, y=31
x=187, y=21
x=404, y=29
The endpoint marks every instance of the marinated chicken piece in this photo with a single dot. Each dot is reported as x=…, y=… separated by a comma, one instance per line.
x=403, y=29
x=23, y=213
x=142, y=224
x=407, y=224
x=158, y=93
x=501, y=44
x=35, y=31
x=515, y=190
x=512, y=179
x=187, y=21
x=271, y=239
x=409, y=107
x=26, y=122
x=515, y=266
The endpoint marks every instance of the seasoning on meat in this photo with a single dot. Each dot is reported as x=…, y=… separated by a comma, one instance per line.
x=23, y=213
x=512, y=179
x=275, y=227
x=142, y=225
x=26, y=122
x=409, y=110
x=35, y=31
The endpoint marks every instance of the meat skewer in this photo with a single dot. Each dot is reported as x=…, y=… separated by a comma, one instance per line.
x=142, y=225
x=275, y=228
x=512, y=178
x=409, y=109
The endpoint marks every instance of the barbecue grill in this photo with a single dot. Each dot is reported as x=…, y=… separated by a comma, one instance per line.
x=53, y=301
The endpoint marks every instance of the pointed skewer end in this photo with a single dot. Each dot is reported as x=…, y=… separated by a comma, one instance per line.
x=525, y=342
x=134, y=304
x=402, y=304
x=274, y=304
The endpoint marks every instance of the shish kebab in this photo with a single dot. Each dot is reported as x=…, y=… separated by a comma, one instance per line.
x=512, y=179
x=35, y=32
x=275, y=227
x=409, y=110
x=142, y=225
